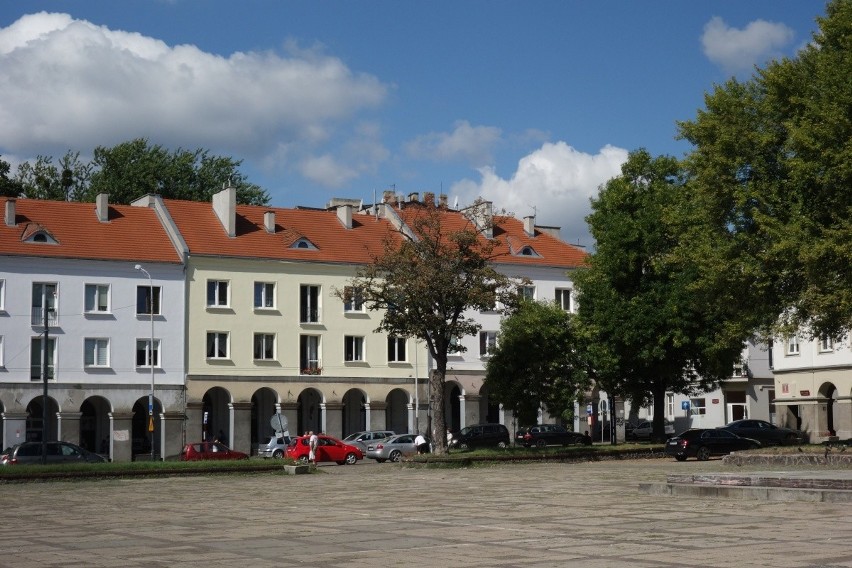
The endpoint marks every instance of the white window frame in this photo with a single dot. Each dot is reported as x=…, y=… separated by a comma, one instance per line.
x=45, y=301
x=99, y=291
x=146, y=346
x=2, y=295
x=268, y=344
x=308, y=366
x=218, y=293
x=354, y=347
x=698, y=406
x=353, y=299
x=793, y=345
x=563, y=294
x=826, y=345
x=527, y=292
x=144, y=290
x=670, y=405
x=52, y=355
x=455, y=346
x=397, y=349
x=310, y=308
x=219, y=338
x=487, y=341
x=264, y=295
x=2, y=365
x=96, y=349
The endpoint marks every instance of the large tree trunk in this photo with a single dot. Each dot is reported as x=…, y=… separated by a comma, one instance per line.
x=436, y=405
x=658, y=432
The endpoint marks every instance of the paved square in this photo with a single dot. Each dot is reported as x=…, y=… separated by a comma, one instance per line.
x=587, y=514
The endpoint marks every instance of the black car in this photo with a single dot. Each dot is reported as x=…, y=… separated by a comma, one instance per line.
x=482, y=436
x=57, y=453
x=549, y=435
x=701, y=443
x=765, y=433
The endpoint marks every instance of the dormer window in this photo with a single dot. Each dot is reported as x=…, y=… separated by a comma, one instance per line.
x=37, y=234
x=303, y=243
x=528, y=251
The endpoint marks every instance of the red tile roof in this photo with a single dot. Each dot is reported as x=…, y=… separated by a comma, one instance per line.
x=511, y=238
x=205, y=235
x=132, y=233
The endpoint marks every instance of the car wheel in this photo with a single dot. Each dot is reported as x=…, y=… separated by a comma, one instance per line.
x=303, y=459
x=463, y=446
x=395, y=456
x=278, y=454
x=502, y=444
x=351, y=459
x=540, y=443
x=680, y=458
x=380, y=460
x=703, y=453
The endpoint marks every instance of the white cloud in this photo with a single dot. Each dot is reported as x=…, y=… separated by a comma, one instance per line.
x=556, y=179
x=470, y=144
x=68, y=83
x=741, y=49
x=360, y=155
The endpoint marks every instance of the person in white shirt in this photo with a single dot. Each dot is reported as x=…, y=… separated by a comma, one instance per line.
x=421, y=444
x=313, y=442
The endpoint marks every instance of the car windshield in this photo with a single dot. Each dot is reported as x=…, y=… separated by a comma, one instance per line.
x=352, y=437
x=466, y=430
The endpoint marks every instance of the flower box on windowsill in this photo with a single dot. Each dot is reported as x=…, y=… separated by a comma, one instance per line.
x=317, y=371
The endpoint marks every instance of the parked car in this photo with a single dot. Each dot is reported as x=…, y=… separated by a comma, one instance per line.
x=274, y=448
x=210, y=451
x=482, y=436
x=393, y=448
x=57, y=453
x=701, y=443
x=328, y=450
x=765, y=433
x=645, y=428
x=364, y=439
x=549, y=435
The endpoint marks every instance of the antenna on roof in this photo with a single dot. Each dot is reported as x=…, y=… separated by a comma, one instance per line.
x=360, y=205
x=456, y=203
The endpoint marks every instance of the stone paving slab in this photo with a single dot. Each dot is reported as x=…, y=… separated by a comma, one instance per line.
x=587, y=514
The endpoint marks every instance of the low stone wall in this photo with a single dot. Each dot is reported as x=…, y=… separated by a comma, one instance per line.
x=792, y=459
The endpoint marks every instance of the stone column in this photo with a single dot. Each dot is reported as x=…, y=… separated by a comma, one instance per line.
x=68, y=428
x=194, y=425
x=332, y=418
x=240, y=426
x=14, y=428
x=469, y=409
x=172, y=434
x=121, y=425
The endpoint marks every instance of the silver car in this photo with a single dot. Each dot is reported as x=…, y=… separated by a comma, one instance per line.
x=393, y=448
x=364, y=439
x=275, y=448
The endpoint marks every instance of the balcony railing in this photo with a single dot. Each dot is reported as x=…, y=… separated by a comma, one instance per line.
x=38, y=317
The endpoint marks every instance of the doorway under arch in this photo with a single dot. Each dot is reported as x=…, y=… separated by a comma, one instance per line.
x=396, y=411
x=94, y=424
x=141, y=427
x=216, y=415
x=263, y=403
x=309, y=411
x=35, y=423
x=452, y=406
x=354, y=412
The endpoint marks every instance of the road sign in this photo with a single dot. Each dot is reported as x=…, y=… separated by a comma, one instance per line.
x=278, y=422
x=151, y=424
x=684, y=405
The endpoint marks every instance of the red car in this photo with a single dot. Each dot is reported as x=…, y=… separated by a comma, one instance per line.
x=328, y=450
x=210, y=451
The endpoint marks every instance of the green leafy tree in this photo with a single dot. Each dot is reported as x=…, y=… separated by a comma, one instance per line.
x=425, y=280
x=540, y=361
x=132, y=169
x=649, y=332
x=65, y=181
x=770, y=219
x=8, y=187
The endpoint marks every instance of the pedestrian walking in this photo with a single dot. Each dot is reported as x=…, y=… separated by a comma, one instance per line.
x=313, y=442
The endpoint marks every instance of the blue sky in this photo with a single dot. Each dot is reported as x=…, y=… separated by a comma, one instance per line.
x=532, y=105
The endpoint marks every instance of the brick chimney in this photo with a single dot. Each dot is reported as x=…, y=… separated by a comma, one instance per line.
x=269, y=221
x=429, y=198
x=529, y=225
x=414, y=197
x=10, y=212
x=442, y=200
x=388, y=196
x=225, y=207
x=344, y=215
x=102, y=207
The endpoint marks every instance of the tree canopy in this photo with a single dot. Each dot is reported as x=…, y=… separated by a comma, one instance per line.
x=650, y=331
x=8, y=186
x=424, y=281
x=132, y=169
x=540, y=361
x=770, y=218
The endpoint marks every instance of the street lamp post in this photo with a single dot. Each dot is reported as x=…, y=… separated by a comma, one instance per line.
x=150, y=357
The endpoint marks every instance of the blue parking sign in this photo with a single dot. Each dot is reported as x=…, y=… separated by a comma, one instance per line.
x=684, y=405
